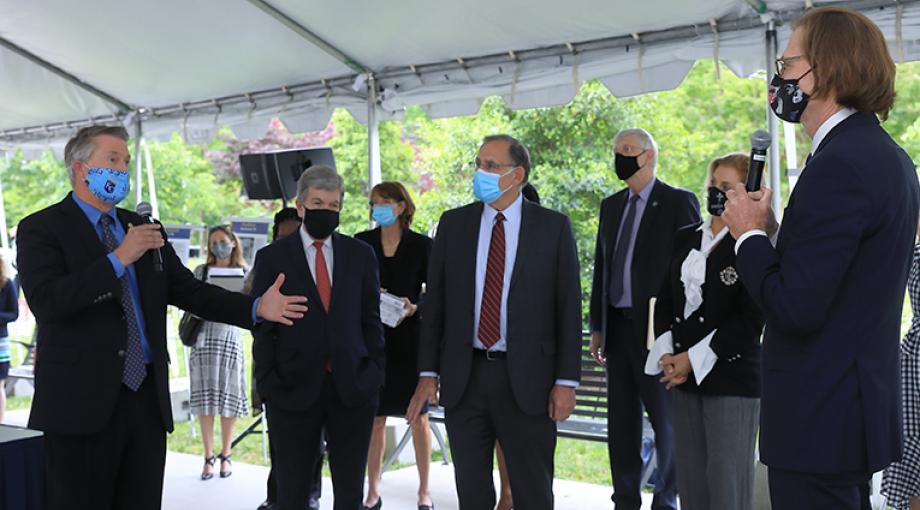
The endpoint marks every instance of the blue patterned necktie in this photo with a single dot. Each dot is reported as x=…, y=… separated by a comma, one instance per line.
x=135, y=367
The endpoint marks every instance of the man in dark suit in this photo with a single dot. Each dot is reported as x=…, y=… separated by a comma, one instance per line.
x=99, y=294
x=832, y=289
x=502, y=329
x=326, y=371
x=634, y=246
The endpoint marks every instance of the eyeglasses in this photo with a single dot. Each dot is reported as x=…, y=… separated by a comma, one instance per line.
x=783, y=62
x=491, y=165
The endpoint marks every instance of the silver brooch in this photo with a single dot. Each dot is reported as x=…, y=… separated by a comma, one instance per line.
x=729, y=276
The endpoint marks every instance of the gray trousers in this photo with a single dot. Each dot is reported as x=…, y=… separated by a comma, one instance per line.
x=714, y=450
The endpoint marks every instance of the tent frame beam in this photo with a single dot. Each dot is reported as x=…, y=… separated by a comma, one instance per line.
x=48, y=66
x=310, y=36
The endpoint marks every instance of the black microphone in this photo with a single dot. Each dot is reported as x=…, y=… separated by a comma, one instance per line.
x=760, y=142
x=145, y=210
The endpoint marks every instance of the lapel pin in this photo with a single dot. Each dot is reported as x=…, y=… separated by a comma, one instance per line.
x=655, y=204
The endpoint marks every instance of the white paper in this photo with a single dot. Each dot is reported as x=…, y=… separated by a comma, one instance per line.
x=663, y=345
x=392, y=309
x=702, y=358
x=226, y=271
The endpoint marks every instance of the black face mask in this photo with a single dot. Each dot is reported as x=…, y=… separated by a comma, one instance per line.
x=787, y=100
x=626, y=166
x=320, y=223
x=715, y=201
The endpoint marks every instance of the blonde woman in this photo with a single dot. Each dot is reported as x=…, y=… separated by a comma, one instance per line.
x=216, y=368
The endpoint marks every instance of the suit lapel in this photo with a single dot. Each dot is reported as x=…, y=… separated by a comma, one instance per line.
x=526, y=243
x=298, y=271
x=618, y=204
x=340, y=258
x=81, y=227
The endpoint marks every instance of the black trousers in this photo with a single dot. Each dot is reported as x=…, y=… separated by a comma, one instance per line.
x=629, y=390
x=295, y=434
x=119, y=467
x=790, y=490
x=316, y=482
x=488, y=411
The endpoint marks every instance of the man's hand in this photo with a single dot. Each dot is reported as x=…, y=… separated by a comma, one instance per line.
x=596, y=348
x=276, y=307
x=677, y=369
x=138, y=240
x=561, y=402
x=749, y=211
x=425, y=391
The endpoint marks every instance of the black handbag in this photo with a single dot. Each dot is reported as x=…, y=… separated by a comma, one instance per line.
x=190, y=324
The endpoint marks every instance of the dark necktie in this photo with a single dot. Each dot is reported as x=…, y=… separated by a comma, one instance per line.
x=618, y=270
x=491, y=307
x=323, y=286
x=135, y=368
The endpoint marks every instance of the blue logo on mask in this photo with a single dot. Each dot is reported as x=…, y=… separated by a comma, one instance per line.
x=109, y=185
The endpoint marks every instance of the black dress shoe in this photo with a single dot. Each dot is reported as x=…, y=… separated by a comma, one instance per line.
x=377, y=506
x=313, y=504
x=266, y=505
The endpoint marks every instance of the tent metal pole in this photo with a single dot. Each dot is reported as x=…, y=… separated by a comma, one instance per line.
x=772, y=50
x=138, y=162
x=4, y=239
x=35, y=59
x=373, y=136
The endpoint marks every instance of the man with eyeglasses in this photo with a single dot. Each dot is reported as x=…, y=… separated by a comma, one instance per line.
x=502, y=331
x=634, y=244
x=832, y=289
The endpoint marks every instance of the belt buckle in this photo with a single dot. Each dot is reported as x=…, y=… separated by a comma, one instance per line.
x=489, y=356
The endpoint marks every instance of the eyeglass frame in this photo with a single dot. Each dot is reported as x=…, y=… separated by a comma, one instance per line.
x=781, y=62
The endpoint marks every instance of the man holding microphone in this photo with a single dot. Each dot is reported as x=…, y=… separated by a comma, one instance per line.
x=832, y=289
x=98, y=280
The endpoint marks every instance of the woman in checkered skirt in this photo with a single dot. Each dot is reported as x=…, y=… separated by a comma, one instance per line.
x=217, y=374
x=901, y=483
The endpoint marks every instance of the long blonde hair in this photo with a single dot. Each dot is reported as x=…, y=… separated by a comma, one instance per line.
x=236, y=255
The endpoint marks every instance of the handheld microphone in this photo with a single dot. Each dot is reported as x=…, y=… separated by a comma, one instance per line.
x=144, y=209
x=760, y=142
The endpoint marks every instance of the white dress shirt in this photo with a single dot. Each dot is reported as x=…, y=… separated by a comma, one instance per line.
x=512, y=226
x=310, y=251
x=825, y=128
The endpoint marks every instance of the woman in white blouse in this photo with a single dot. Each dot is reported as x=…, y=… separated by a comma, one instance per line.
x=708, y=347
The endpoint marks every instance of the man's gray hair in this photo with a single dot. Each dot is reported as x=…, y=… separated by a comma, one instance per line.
x=320, y=177
x=82, y=145
x=645, y=141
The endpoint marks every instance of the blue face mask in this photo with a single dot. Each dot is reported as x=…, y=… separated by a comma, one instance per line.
x=383, y=215
x=486, y=187
x=109, y=185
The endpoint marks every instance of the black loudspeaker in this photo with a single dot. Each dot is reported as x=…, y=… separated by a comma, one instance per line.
x=274, y=175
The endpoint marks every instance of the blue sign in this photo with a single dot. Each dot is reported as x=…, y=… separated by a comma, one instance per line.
x=175, y=232
x=250, y=227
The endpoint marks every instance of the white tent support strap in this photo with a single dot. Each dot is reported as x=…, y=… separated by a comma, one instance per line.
x=772, y=49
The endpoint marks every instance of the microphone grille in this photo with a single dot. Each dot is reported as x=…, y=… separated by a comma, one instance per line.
x=144, y=208
x=760, y=139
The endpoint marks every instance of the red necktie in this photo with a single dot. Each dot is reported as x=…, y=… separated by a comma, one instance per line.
x=322, y=276
x=491, y=307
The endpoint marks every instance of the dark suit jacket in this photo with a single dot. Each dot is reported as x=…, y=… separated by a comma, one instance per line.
x=726, y=307
x=668, y=210
x=543, y=308
x=71, y=288
x=290, y=361
x=832, y=292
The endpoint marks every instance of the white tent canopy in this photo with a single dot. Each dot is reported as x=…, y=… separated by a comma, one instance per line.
x=193, y=66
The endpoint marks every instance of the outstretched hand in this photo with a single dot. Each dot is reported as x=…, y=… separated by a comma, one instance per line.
x=277, y=307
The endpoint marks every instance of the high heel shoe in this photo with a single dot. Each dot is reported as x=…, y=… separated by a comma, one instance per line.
x=208, y=461
x=225, y=458
x=377, y=506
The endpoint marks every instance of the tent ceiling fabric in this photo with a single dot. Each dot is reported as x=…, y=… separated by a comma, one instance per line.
x=195, y=66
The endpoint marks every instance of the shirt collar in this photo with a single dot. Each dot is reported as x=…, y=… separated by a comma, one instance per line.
x=828, y=125
x=91, y=212
x=645, y=192
x=512, y=213
x=308, y=240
